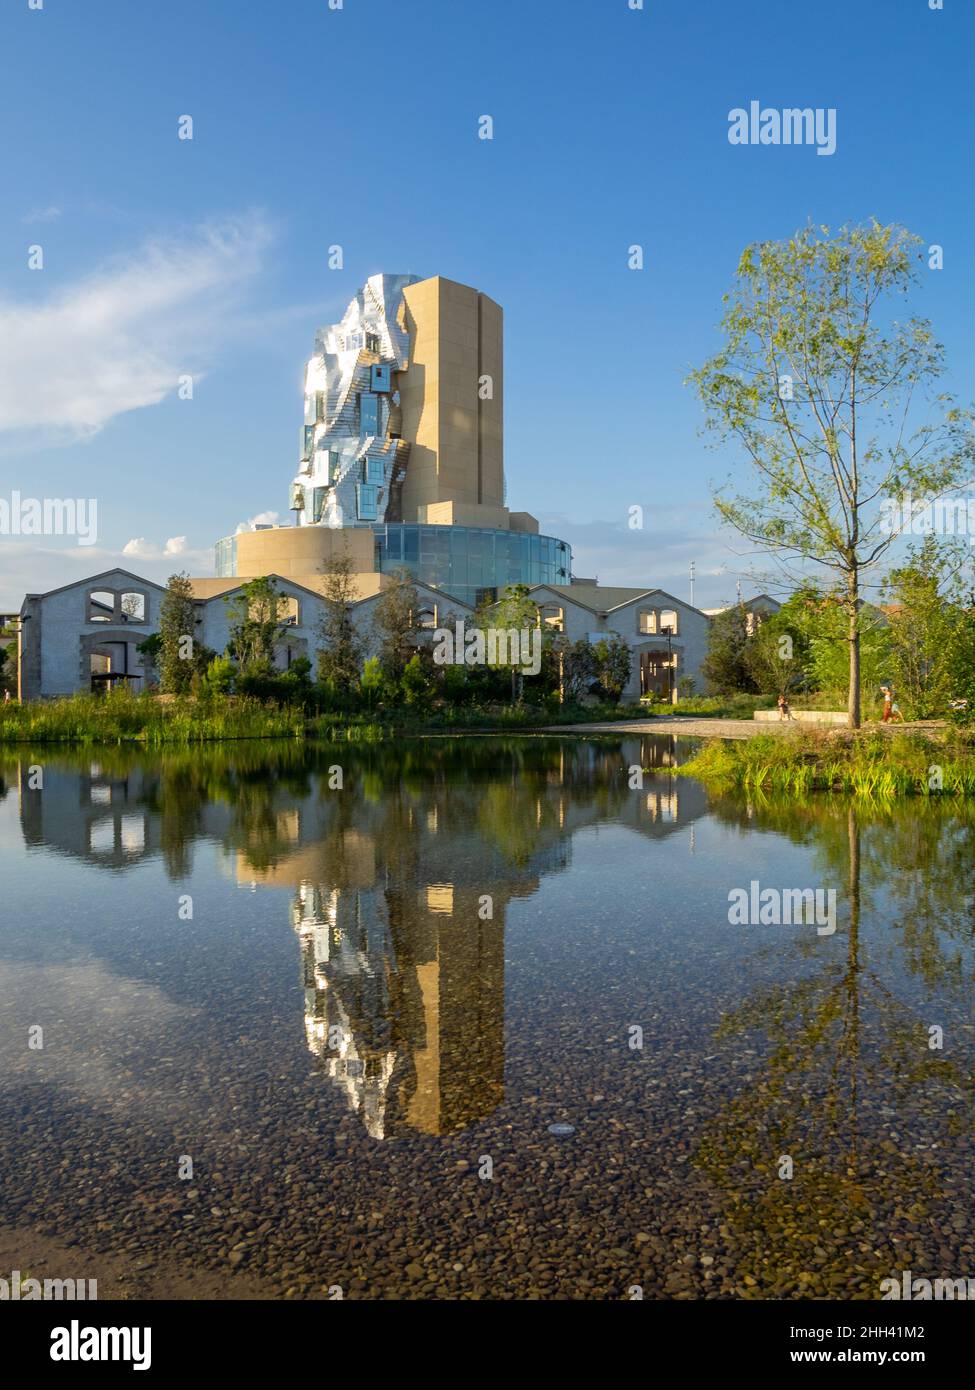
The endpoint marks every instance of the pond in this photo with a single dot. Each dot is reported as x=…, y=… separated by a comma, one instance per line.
x=477, y=1019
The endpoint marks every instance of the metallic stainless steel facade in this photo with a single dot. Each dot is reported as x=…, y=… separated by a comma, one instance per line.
x=352, y=464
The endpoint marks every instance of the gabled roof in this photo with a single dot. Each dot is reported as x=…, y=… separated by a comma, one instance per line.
x=89, y=580
x=440, y=595
x=745, y=603
x=598, y=598
x=235, y=584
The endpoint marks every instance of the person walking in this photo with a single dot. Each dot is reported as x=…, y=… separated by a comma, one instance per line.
x=888, y=695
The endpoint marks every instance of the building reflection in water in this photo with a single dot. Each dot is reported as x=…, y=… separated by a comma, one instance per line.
x=402, y=955
x=404, y=1003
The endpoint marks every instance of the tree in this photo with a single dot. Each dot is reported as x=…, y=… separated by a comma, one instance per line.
x=254, y=615
x=8, y=661
x=219, y=676
x=724, y=666
x=612, y=659
x=514, y=611
x=820, y=387
x=340, y=656
x=414, y=682
x=777, y=656
x=578, y=669
x=177, y=627
x=931, y=633
x=821, y=619
x=396, y=622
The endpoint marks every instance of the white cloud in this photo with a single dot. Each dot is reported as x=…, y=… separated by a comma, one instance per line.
x=142, y=549
x=51, y=213
x=29, y=567
x=120, y=338
x=114, y=1019
x=262, y=519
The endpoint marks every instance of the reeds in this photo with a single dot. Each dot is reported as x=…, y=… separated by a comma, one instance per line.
x=866, y=763
x=121, y=717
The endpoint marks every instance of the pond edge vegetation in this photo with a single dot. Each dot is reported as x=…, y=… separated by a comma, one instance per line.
x=867, y=762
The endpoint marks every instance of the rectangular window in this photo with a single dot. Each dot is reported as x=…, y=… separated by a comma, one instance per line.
x=375, y=471
x=307, y=440
x=133, y=608
x=368, y=413
x=318, y=503
x=646, y=621
x=366, y=501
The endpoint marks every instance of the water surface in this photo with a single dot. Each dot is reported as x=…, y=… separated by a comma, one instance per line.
x=358, y=1009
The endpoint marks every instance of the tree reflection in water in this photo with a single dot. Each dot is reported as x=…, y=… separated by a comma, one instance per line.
x=848, y=1087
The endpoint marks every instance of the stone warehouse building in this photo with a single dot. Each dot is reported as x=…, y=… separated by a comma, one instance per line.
x=85, y=636
x=401, y=465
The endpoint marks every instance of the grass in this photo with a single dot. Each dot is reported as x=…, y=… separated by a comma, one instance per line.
x=867, y=763
x=122, y=717
x=511, y=717
x=713, y=706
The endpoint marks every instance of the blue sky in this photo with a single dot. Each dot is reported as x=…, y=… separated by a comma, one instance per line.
x=358, y=127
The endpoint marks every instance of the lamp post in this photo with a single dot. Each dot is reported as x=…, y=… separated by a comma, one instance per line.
x=670, y=665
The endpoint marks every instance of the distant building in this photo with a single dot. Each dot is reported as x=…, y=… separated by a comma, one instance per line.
x=401, y=466
x=756, y=610
x=401, y=452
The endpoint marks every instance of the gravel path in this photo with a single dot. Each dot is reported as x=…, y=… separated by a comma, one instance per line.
x=691, y=726
x=686, y=724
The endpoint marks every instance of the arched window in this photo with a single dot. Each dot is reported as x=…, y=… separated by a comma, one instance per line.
x=646, y=622
x=668, y=619
x=101, y=606
x=289, y=611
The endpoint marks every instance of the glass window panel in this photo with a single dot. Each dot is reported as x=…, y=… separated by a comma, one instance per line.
x=101, y=606
x=133, y=608
x=368, y=413
x=366, y=502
